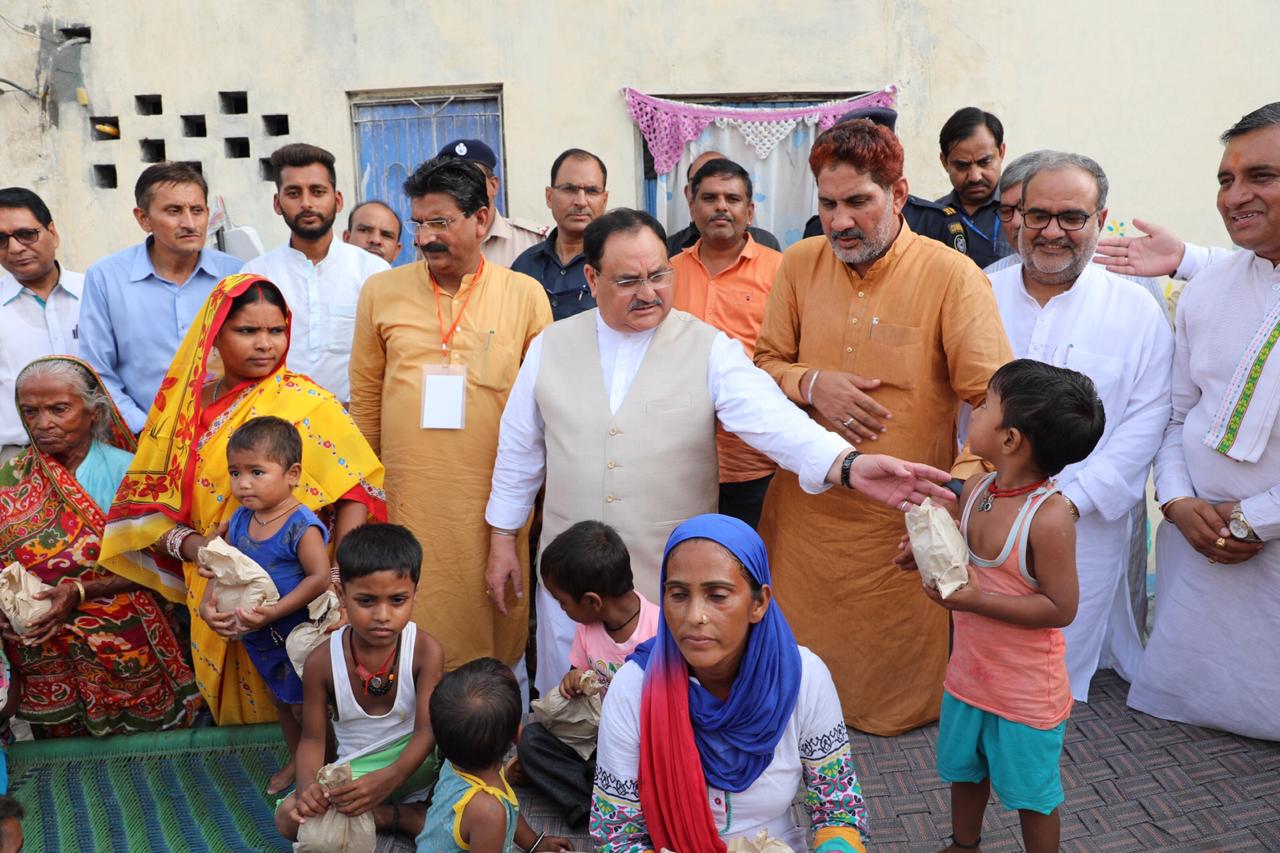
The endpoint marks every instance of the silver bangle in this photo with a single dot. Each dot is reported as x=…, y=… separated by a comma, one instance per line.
x=812, y=382
x=174, y=538
x=500, y=532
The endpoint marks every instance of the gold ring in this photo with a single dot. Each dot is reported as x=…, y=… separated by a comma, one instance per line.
x=1221, y=543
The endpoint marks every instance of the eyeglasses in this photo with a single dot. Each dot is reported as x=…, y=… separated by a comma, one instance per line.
x=434, y=226
x=573, y=189
x=1005, y=212
x=25, y=236
x=658, y=280
x=1068, y=220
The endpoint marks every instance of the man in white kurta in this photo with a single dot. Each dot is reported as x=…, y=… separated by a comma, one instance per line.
x=616, y=408
x=1059, y=308
x=1211, y=659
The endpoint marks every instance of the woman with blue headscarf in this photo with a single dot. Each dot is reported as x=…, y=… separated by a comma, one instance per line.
x=712, y=727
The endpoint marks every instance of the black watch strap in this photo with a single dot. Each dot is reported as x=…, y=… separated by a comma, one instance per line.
x=844, y=468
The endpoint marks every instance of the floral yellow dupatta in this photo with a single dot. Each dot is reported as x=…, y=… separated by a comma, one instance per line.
x=179, y=476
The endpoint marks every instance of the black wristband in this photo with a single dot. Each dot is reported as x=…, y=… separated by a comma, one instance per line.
x=844, y=468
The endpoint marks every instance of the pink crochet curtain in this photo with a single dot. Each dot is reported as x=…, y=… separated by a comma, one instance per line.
x=668, y=126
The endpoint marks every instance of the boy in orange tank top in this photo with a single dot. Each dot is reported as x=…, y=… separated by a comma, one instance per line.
x=1006, y=696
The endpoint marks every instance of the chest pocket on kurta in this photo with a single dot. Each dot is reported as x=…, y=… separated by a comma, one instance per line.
x=341, y=327
x=892, y=354
x=493, y=365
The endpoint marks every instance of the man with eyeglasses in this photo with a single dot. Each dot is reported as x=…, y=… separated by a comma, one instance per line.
x=688, y=235
x=1061, y=309
x=615, y=410
x=576, y=197
x=972, y=143
x=437, y=346
x=507, y=236
x=724, y=279
x=320, y=276
x=39, y=302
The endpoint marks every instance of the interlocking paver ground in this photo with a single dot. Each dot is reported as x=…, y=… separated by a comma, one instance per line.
x=1132, y=783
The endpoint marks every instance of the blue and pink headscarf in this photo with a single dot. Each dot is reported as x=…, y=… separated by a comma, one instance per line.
x=690, y=739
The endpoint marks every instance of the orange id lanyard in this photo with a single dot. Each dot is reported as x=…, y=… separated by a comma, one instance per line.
x=445, y=337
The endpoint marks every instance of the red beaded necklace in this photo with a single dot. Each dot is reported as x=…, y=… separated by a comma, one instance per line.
x=994, y=491
x=376, y=683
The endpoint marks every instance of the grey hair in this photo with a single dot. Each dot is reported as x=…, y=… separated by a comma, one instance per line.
x=81, y=381
x=1017, y=170
x=1262, y=117
x=1051, y=161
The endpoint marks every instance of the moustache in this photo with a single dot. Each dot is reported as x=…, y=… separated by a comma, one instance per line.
x=434, y=247
x=188, y=233
x=977, y=185
x=849, y=234
x=640, y=304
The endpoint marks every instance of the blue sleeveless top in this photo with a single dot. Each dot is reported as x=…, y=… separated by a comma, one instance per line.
x=441, y=833
x=279, y=557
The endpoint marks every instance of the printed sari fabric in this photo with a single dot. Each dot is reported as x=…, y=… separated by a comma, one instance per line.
x=179, y=476
x=117, y=665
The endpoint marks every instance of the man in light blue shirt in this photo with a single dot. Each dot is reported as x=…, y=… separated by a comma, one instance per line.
x=139, y=302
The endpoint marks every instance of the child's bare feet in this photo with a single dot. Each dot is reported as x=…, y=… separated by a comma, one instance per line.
x=282, y=780
x=404, y=818
x=962, y=848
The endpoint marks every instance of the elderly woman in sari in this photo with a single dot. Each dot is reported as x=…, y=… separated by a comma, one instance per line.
x=177, y=492
x=712, y=727
x=105, y=659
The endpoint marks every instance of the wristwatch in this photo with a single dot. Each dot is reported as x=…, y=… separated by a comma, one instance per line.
x=1240, y=528
x=844, y=468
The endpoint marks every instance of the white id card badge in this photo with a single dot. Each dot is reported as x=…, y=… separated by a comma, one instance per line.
x=444, y=396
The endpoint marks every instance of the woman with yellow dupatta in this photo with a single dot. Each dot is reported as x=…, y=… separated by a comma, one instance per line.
x=177, y=492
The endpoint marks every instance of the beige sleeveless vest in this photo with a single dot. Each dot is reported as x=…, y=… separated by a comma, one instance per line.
x=648, y=467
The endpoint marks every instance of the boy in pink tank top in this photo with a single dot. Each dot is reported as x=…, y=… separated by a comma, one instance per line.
x=1006, y=697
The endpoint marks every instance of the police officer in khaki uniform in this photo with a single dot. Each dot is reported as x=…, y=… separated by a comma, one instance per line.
x=507, y=237
x=929, y=218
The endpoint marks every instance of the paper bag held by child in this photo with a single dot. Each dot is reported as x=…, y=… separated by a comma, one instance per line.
x=17, y=597
x=575, y=721
x=939, y=548
x=334, y=832
x=238, y=581
x=324, y=613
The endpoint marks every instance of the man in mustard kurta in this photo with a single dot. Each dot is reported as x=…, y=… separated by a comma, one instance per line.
x=437, y=346
x=881, y=334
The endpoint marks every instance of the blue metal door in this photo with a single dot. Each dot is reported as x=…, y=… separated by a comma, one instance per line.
x=394, y=137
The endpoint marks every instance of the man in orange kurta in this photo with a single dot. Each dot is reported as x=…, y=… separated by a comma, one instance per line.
x=724, y=279
x=451, y=310
x=881, y=334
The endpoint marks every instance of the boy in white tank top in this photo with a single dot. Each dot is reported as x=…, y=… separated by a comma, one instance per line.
x=377, y=674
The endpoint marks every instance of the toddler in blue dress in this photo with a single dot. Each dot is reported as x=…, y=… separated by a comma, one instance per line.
x=274, y=529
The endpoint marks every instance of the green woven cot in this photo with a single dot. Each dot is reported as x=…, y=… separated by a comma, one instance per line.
x=195, y=789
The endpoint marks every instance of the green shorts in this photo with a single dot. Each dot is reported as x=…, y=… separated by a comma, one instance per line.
x=1021, y=761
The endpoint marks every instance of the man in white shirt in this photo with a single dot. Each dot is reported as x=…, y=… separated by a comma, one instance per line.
x=616, y=408
x=39, y=302
x=1059, y=308
x=1209, y=661
x=320, y=277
